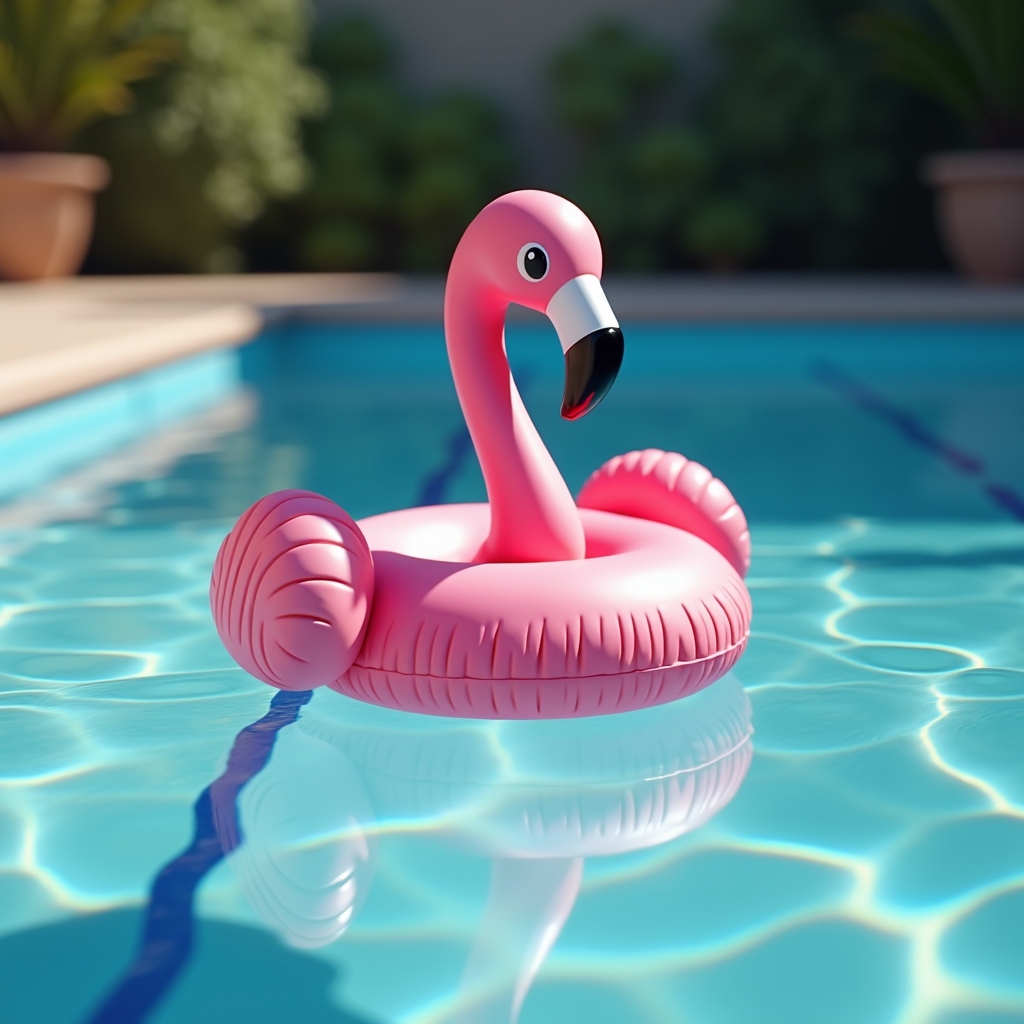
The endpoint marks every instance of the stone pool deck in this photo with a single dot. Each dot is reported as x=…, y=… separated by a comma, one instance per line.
x=62, y=336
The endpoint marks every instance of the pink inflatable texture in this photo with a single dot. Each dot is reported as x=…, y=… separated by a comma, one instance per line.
x=669, y=488
x=527, y=606
x=291, y=590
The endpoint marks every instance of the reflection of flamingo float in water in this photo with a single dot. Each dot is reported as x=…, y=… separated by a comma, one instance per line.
x=632, y=598
x=536, y=798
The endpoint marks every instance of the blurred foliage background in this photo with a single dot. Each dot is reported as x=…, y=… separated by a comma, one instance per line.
x=790, y=154
x=395, y=180
x=210, y=141
x=273, y=147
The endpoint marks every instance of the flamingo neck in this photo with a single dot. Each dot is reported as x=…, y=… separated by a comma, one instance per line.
x=533, y=515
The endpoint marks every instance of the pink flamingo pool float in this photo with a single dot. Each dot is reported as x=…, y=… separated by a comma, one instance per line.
x=531, y=605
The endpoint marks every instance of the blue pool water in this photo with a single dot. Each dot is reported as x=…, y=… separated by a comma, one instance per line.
x=833, y=834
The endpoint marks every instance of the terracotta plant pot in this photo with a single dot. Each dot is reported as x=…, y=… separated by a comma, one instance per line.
x=981, y=211
x=46, y=212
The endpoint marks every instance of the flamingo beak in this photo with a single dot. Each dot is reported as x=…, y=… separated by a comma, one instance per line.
x=591, y=340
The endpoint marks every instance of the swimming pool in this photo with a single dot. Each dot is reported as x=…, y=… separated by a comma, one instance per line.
x=858, y=858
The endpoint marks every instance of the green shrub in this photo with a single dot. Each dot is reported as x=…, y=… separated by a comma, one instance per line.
x=636, y=169
x=723, y=234
x=241, y=88
x=155, y=216
x=212, y=139
x=395, y=182
x=809, y=139
x=458, y=161
x=797, y=118
x=606, y=81
x=344, y=221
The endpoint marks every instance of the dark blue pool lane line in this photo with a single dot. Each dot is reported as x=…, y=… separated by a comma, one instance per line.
x=167, y=936
x=434, y=489
x=907, y=424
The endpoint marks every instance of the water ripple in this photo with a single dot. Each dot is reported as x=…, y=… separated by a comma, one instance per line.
x=870, y=863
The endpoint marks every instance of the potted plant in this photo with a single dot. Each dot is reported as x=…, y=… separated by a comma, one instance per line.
x=969, y=55
x=62, y=65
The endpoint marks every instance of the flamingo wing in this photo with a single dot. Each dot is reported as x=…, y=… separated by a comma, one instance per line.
x=292, y=589
x=669, y=488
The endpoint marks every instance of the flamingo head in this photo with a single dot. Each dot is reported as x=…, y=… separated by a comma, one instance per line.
x=540, y=251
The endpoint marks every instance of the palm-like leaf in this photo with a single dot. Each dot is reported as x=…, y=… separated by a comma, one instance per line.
x=64, y=63
x=971, y=59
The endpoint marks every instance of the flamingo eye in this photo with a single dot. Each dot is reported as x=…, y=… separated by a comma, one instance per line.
x=533, y=262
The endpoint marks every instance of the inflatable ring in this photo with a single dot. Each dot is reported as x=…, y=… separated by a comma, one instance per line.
x=529, y=606
x=649, y=616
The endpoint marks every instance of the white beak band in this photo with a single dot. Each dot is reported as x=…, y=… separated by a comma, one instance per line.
x=579, y=308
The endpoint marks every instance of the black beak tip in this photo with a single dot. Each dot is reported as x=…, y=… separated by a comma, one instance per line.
x=591, y=366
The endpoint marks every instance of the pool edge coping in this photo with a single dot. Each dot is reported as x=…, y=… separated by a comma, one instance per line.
x=74, y=334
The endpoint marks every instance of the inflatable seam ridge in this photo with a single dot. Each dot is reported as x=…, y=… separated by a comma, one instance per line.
x=676, y=473
x=703, y=660
x=307, y=579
